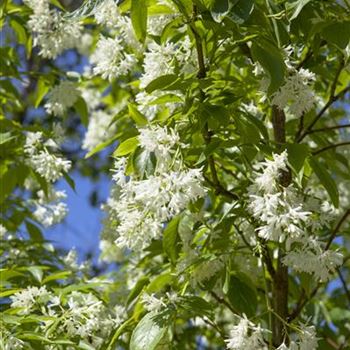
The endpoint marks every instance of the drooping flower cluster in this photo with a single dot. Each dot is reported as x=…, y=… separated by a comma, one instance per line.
x=110, y=59
x=46, y=164
x=52, y=32
x=279, y=208
x=76, y=314
x=311, y=257
x=246, y=335
x=307, y=340
x=50, y=209
x=296, y=93
x=61, y=97
x=142, y=206
x=160, y=60
x=286, y=217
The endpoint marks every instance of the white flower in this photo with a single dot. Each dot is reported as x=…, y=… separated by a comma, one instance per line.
x=279, y=209
x=160, y=141
x=3, y=231
x=119, y=171
x=49, y=166
x=307, y=338
x=246, y=335
x=152, y=303
x=62, y=96
x=156, y=23
x=52, y=33
x=296, y=93
x=160, y=60
x=107, y=13
x=142, y=206
x=313, y=259
x=49, y=209
x=46, y=164
x=100, y=129
x=84, y=44
x=26, y=298
x=110, y=59
x=91, y=96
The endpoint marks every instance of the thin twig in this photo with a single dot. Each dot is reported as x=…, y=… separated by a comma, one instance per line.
x=331, y=100
x=335, y=145
x=345, y=287
x=337, y=228
x=224, y=302
x=329, y=128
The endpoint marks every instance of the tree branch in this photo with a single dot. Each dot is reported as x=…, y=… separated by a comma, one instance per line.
x=329, y=128
x=345, y=287
x=335, y=145
x=302, y=299
x=337, y=228
x=330, y=101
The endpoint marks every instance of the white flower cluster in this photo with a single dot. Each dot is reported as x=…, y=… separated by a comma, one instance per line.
x=61, y=97
x=9, y=341
x=142, y=206
x=78, y=314
x=99, y=130
x=110, y=59
x=160, y=59
x=46, y=164
x=307, y=340
x=312, y=258
x=279, y=208
x=246, y=335
x=28, y=298
x=296, y=93
x=156, y=23
x=49, y=208
x=152, y=303
x=284, y=217
x=52, y=33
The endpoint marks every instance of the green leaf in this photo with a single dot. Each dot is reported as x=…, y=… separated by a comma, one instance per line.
x=161, y=82
x=171, y=239
x=6, y=137
x=101, y=146
x=19, y=30
x=34, y=232
x=326, y=180
x=297, y=153
x=126, y=147
x=271, y=59
x=137, y=116
x=139, y=18
x=241, y=11
x=242, y=294
x=149, y=332
x=60, y=275
x=81, y=108
x=196, y=306
x=134, y=293
x=37, y=272
x=338, y=33
x=8, y=183
x=69, y=180
x=42, y=89
x=296, y=8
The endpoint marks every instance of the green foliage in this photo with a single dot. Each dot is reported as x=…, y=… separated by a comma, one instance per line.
x=210, y=266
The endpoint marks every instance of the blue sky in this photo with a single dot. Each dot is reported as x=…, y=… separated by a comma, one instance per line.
x=82, y=225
